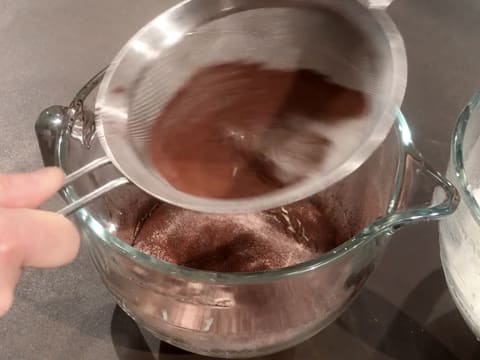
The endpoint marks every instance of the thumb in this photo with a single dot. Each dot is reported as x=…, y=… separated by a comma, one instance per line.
x=29, y=190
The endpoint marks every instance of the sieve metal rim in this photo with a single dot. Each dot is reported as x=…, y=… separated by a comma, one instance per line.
x=170, y=27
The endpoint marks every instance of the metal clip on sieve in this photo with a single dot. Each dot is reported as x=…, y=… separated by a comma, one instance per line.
x=56, y=120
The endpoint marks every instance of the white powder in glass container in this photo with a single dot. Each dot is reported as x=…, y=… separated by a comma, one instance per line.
x=460, y=252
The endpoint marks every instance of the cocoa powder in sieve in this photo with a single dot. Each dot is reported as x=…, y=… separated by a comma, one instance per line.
x=211, y=138
x=206, y=142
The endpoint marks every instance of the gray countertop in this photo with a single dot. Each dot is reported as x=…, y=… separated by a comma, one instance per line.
x=49, y=48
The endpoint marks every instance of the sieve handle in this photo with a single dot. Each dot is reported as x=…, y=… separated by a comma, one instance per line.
x=88, y=198
x=415, y=177
x=95, y=164
x=85, y=200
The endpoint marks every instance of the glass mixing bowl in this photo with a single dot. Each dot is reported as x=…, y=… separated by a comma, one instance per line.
x=460, y=233
x=237, y=315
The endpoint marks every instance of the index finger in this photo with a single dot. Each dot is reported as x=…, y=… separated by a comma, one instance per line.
x=29, y=189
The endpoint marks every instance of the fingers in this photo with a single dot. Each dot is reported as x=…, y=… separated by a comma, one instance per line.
x=29, y=190
x=32, y=238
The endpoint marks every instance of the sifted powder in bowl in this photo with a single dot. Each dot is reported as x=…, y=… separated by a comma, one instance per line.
x=236, y=243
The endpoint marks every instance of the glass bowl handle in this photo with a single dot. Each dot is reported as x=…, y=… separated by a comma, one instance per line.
x=416, y=181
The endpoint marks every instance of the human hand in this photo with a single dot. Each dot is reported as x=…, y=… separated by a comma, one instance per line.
x=29, y=237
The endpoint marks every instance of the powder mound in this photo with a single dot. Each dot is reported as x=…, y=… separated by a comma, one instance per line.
x=236, y=243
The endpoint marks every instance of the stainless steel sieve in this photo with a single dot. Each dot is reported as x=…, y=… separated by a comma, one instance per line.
x=356, y=45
